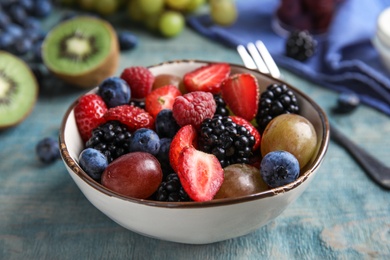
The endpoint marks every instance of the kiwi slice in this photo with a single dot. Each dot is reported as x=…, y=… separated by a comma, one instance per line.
x=82, y=51
x=18, y=90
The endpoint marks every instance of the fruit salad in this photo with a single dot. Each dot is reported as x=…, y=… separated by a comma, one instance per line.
x=210, y=134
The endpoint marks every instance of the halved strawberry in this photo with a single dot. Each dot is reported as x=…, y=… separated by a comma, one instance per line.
x=207, y=78
x=133, y=117
x=200, y=174
x=89, y=113
x=185, y=137
x=160, y=99
x=241, y=93
x=243, y=122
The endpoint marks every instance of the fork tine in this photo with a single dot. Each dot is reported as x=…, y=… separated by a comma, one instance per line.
x=246, y=58
x=257, y=58
x=268, y=60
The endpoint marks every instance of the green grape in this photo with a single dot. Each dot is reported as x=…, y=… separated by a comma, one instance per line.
x=133, y=11
x=171, y=23
x=106, y=7
x=194, y=5
x=150, y=7
x=179, y=5
x=223, y=12
x=151, y=22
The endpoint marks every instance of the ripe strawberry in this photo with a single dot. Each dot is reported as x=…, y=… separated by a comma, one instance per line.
x=207, y=78
x=89, y=113
x=192, y=108
x=200, y=174
x=161, y=98
x=140, y=80
x=241, y=93
x=241, y=121
x=133, y=117
x=185, y=137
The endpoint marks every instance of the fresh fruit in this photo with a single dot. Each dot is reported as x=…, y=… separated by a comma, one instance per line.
x=18, y=90
x=93, y=162
x=127, y=40
x=229, y=142
x=114, y=91
x=221, y=106
x=277, y=99
x=150, y=7
x=163, y=155
x=166, y=79
x=180, y=5
x=192, y=108
x=111, y=138
x=207, y=78
x=89, y=112
x=185, y=137
x=241, y=94
x=346, y=103
x=252, y=130
x=145, y=140
x=140, y=80
x=48, y=150
x=279, y=168
x=171, y=190
x=106, y=7
x=240, y=180
x=161, y=98
x=165, y=124
x=140, y=182
x=82, y=51
x=292, y=133
x=131, y=116
x=300, y=45
x=171, y=23
x=200, y=174
x=223, y=12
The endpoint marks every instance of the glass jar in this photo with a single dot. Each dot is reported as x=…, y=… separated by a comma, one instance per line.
x=314, y=16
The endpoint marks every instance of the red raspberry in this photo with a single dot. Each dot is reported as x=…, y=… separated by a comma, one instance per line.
x=140, y=80
x=89, y=113
x=131, y=116
x=192, y=108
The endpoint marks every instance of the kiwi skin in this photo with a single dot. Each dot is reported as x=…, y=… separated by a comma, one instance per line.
x=96, y=75
x=32, y=96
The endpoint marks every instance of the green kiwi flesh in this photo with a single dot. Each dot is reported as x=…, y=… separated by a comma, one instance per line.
x=18, y=90
x=82, y=51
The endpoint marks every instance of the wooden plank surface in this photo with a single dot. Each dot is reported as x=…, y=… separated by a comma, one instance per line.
x=43, y=215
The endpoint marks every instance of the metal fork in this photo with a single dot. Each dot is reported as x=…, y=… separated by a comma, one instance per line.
x=256, y=56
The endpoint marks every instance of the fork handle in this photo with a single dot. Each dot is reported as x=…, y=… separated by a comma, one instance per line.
x=379, y=172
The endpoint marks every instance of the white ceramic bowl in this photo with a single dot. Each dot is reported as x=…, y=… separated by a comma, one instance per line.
x=195, y=222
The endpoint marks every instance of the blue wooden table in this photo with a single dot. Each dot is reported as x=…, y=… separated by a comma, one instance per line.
x=43, y=215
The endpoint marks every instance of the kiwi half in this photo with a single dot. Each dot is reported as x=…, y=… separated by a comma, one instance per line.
x=82, y=51
x=18, y=90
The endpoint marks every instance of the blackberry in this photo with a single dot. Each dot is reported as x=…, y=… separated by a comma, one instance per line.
x=171, y=190
x=277, y=99
x=300, y=45
x=137, y=103
x=111, y=138
x=229, y=142
x=221, y=106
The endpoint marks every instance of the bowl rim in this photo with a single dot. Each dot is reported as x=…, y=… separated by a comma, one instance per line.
x=322, y=149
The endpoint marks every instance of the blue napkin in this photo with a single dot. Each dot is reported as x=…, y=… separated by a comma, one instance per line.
x=345, y=60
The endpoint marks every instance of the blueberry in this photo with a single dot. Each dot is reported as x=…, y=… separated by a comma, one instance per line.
x=4, y=20
x=145, y=140
x=114, y=91
x=37, y=51
x=48, y=150
x=27, y=5
x=93, y=162
x=279, y=168
x=31, y=23
x=163, y=155
x=15, y=30
x=347, y=102
x=6, y=41
x=127, y=40
x=42, y=8
x=17, y=13
x=22, y=46
x=166, y=125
